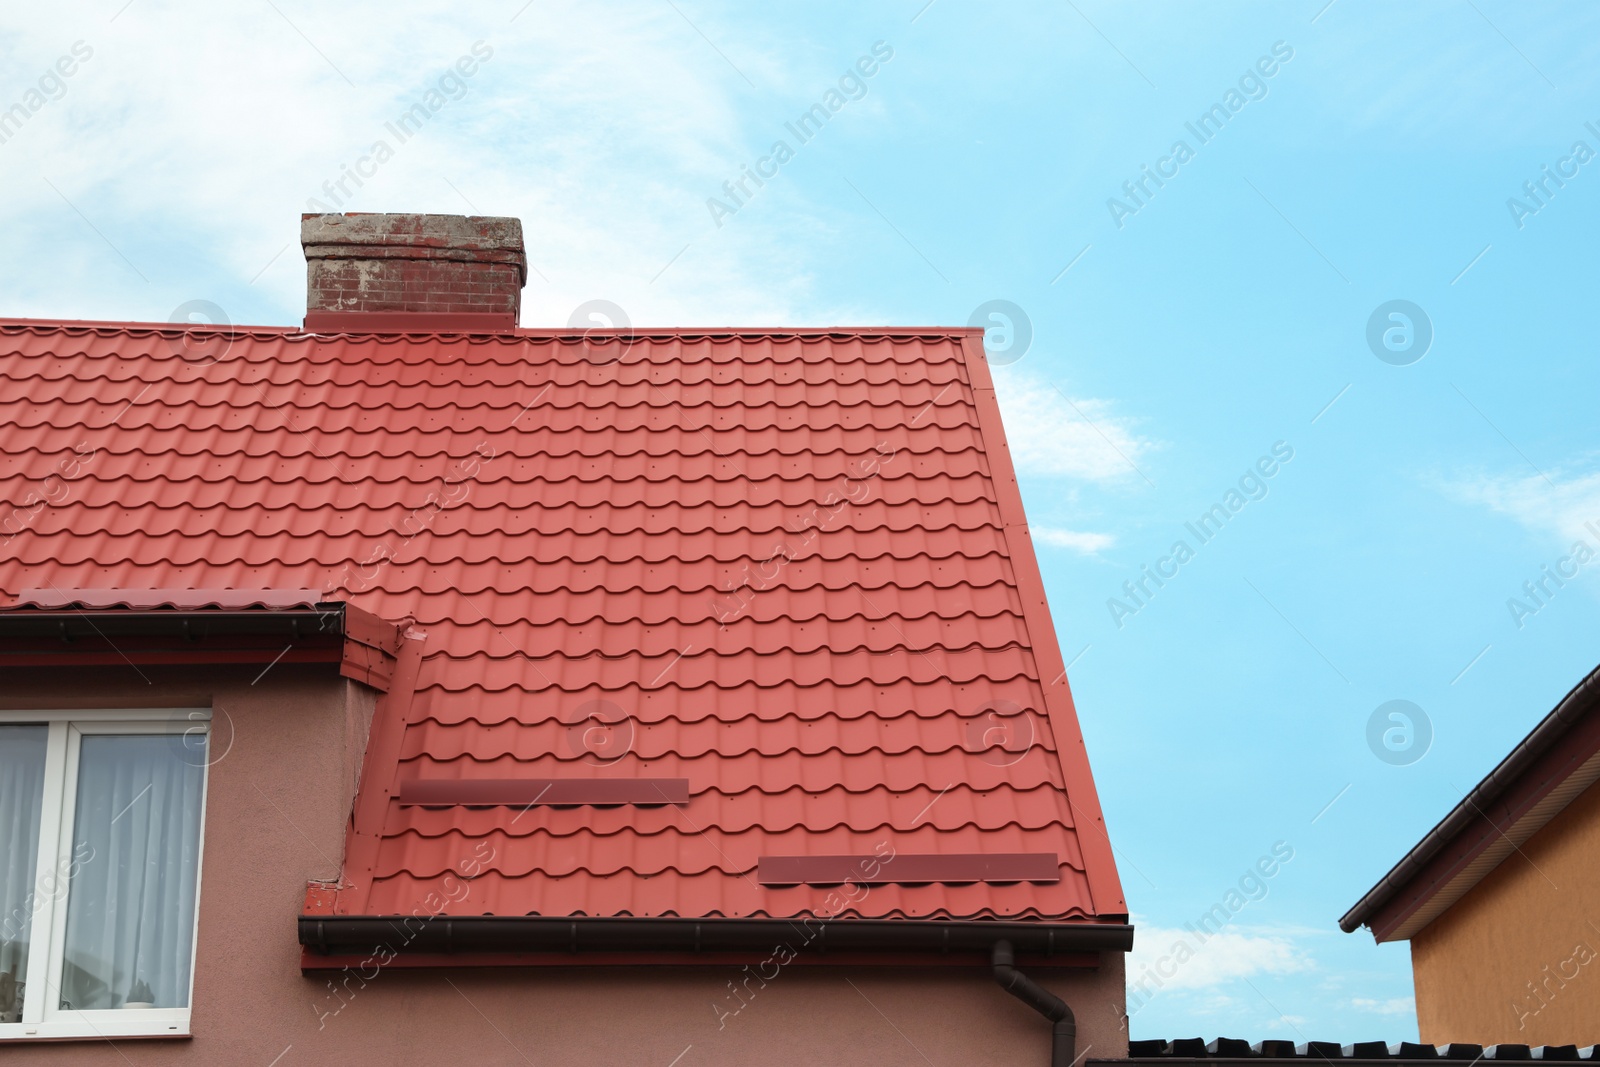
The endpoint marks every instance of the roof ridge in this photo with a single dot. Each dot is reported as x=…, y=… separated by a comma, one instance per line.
x=562, y=333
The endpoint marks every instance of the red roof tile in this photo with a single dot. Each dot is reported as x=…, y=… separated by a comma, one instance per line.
x=789, y=567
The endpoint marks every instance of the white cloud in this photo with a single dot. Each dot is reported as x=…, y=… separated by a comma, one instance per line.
x=1557, y=507
x=1077, y=540
x=1213, y=1004
x=1391, y=1006
x=1053, y=433
x=1175, y=959
x=604, y=135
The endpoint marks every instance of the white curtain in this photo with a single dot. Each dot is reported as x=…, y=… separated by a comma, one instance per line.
x=21, y=793
x=131, y=906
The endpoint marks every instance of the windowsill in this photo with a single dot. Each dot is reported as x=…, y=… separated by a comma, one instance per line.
x=100, y=1025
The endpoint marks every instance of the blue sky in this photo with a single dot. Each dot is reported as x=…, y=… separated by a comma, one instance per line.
x=1226, y=316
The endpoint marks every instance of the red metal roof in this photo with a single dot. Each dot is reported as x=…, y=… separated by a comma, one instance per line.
x=789, y=567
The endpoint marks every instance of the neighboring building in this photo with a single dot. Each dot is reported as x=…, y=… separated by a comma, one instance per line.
x=414, y=688
x=1501, y=900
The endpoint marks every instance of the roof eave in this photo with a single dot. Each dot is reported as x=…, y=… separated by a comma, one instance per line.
x=362, y=644
x=1505, y=808
x=338, y=937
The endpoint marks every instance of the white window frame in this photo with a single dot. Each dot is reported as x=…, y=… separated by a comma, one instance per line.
x=42, y=1017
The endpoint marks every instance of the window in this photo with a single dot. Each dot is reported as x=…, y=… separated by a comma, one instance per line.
x=100, y=819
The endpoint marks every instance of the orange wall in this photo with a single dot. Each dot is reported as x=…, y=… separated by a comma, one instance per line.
x=277, y=808
x=1535, y=919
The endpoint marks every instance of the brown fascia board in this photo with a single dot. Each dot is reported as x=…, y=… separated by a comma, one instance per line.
x=1548, y=769
x=363, y=645
x=435, y=939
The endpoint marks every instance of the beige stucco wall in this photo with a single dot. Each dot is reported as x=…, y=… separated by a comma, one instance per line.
x=277, y=807
x=1518, y=958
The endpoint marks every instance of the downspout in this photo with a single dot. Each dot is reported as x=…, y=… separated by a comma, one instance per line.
x=1064, y=1028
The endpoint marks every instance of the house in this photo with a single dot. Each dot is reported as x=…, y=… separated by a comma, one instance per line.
x=1501, y=900
x=408, y=686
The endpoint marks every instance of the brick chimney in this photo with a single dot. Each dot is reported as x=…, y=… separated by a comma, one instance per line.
x=423, y=273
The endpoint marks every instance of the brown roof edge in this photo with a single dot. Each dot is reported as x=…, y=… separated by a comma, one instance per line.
x=1533, y=769
x=340, y=935
x=77, y=628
